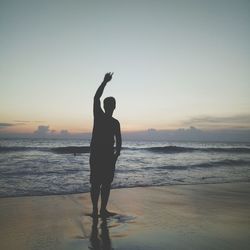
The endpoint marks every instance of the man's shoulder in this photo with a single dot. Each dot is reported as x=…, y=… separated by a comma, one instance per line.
x=99, y=114
x=115, y=121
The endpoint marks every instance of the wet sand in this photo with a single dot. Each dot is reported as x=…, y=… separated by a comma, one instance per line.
x=208, y=216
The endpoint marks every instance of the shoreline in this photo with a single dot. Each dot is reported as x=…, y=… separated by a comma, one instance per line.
x=200, y=216
x=118, y=188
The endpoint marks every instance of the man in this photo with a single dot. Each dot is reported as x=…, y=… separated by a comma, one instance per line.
x=103, y=157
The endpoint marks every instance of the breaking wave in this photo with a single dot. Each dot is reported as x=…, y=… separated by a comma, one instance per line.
x=164, y=149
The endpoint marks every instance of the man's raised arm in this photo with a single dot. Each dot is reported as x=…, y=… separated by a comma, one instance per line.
x=107, y=78
x=98, y=94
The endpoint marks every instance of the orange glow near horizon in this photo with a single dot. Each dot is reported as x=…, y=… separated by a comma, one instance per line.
x=76, y=127
x=31, y=128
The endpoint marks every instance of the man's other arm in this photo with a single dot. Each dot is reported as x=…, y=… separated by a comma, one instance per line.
x=118, y=140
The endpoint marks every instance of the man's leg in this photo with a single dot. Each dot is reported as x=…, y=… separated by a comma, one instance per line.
x=105, y=191
x=95, y=192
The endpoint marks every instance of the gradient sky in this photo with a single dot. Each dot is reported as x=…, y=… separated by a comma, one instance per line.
x=176, y=63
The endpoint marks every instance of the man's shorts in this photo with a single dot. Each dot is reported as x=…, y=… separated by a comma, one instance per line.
x=102, y=168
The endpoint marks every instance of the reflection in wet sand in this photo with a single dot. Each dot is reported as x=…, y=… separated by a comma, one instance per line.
x=100, y=240
x=100, y=236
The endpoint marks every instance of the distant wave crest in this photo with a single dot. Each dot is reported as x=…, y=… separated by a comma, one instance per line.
x=71, y=150
x=58, y=150
x=175, y=149
x=164, y=149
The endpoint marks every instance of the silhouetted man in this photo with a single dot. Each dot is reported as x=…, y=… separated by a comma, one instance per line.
x=103, y=157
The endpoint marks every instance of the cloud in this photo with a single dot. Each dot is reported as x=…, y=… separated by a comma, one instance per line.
x=190, y=134
x=42, y=130
x=21, y=121
x=25, y=121
x=5, y=124
x=236, y=121
x=152, y=130
x=16, y=123
x=64, y=132
x=45, y=131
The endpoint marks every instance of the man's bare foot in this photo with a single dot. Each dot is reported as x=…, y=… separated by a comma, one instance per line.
x=105, y=213
x=94, y=213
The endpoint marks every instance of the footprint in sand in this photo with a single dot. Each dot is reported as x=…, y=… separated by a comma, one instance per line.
x=121, y=218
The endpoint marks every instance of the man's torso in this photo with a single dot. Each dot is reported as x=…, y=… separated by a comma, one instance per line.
x=103, y=134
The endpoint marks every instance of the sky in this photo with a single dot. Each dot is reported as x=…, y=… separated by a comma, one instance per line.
x=176, y=64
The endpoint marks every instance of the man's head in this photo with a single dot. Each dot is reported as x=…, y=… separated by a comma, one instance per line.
x=109, y=105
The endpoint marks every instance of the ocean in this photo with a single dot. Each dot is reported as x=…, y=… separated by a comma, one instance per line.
x=61, y=166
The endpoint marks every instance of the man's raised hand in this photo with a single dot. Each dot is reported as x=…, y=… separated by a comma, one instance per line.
x=108, y=77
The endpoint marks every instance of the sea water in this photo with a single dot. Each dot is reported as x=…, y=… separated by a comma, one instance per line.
x=61, y=166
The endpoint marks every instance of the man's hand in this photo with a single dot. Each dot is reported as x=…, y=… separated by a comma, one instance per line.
x=116, y=155
x=108, y=77
x=99, y=91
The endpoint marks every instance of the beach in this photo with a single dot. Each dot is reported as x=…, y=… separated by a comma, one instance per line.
x=207, y=216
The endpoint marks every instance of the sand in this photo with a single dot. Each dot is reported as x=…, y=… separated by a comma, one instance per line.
x=208, y=216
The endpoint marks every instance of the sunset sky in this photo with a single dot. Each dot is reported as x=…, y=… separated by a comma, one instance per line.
x=176, y=63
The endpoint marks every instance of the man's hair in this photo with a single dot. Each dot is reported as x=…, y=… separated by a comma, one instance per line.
x=109, y=102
